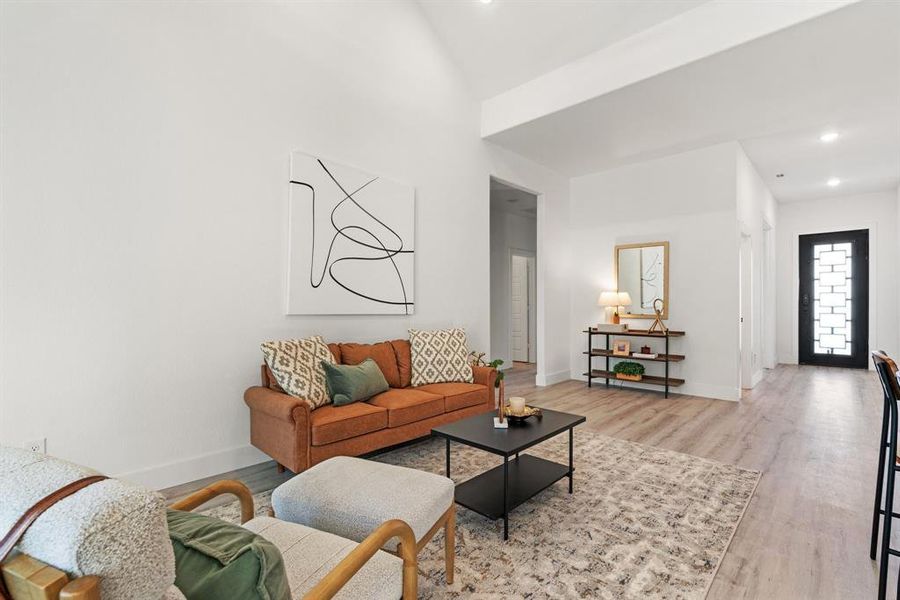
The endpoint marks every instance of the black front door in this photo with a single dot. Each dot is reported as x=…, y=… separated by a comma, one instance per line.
x=834, y=299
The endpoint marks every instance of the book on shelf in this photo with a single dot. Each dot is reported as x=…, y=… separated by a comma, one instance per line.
x=643, y=355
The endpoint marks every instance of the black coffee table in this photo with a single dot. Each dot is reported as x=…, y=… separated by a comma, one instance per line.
x=496, y=492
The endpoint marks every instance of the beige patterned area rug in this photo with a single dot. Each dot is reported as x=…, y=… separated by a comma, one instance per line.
x=643, y=523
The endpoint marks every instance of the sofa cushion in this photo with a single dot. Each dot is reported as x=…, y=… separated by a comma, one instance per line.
x=217, y=559
x=336, y=353
x=404, y=361
x=352, y=383
x=335, y=423
x=297, y=365
x=439, y=356
x=382, y=353
x=310, y=554
x=113, y=529
x=408, y=405
x=457, y=395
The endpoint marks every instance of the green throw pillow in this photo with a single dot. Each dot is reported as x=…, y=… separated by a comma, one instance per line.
x=351, y=383
x=215, y=559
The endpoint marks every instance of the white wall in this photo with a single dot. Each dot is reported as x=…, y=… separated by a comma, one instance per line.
x=144, y=188
x=757, y=209
x=509, y=231
x=876, y=212
x=688, y=199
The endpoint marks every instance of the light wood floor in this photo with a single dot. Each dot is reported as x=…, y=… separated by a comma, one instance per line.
x=812, y=431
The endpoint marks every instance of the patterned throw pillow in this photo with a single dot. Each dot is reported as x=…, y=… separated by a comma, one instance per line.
x=297, y=367
x=439, y=356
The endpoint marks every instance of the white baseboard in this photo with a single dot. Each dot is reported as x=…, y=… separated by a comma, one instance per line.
x=549, y=379
x=715, y=392
x=198, y=467
x=757, y=378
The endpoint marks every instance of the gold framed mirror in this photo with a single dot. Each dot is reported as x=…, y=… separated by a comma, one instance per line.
x=642, y=270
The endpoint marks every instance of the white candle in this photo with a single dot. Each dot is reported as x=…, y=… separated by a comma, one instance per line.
x=517, y=404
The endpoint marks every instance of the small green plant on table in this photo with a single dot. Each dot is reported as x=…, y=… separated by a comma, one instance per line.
x=631, y=371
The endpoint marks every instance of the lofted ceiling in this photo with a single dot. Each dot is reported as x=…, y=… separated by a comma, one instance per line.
x=775, y=95
x=508, y=42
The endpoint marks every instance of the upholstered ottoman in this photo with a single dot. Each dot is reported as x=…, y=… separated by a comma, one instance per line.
x=350, y=497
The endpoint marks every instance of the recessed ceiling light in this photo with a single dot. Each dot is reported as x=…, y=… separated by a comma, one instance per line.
x=486, y=1
x=829, y=136
x=833, y=182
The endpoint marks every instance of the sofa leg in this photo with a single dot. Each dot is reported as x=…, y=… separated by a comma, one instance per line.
x=279, y=467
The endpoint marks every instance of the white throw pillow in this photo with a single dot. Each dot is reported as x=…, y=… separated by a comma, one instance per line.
x=297, y=367
x=439, y=356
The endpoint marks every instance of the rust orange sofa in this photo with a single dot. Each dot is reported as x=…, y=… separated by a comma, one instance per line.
x=298, y=436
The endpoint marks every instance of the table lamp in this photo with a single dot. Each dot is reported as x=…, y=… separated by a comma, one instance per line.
x=609, y=300
x=624, y=301
x=616, y=300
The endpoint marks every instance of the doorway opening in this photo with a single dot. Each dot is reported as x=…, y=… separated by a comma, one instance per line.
x=513, y=276
x=833, y=310
x=767, y=296
x=746, y=312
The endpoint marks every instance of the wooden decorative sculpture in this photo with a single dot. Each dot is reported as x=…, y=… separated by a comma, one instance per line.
x=658, y=321
x=501, y=408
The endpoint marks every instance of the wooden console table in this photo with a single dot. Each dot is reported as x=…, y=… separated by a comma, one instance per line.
x=607, y=353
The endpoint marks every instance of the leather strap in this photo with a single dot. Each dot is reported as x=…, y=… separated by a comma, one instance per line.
x=14, y=535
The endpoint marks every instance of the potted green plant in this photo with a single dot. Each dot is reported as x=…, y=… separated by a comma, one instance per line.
x=477, y=359
x=628, y=370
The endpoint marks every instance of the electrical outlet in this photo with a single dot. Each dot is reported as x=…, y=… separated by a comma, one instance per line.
x=39, y=446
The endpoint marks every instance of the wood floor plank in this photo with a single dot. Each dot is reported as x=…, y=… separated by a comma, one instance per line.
x=812, y=431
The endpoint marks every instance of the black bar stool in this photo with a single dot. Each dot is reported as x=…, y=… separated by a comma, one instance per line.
x=887, y=459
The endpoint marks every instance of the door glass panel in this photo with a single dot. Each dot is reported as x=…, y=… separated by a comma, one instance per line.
x=832, y=278
x=832, y=317
x=833, y=257
x=829, y=320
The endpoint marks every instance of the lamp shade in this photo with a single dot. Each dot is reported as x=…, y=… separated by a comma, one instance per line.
x=608, y=299
x=623, y=299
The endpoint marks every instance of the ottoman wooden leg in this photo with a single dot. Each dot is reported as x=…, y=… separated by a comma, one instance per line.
x=450, y=543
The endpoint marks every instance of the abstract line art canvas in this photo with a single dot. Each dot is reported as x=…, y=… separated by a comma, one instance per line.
x=352, y=241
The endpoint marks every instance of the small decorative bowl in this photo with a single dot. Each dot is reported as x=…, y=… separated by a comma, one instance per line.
x=520, y=417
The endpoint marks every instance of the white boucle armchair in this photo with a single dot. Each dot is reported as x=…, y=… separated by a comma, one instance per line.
x=110, y=541
x=112, y=530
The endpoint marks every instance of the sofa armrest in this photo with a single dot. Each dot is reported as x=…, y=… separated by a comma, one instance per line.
x=485, y=375
x=275, y=404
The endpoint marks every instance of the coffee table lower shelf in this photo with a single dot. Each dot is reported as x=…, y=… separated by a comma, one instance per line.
x=528, y=476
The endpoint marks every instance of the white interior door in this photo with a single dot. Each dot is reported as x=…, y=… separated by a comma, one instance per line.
x=519, y=309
